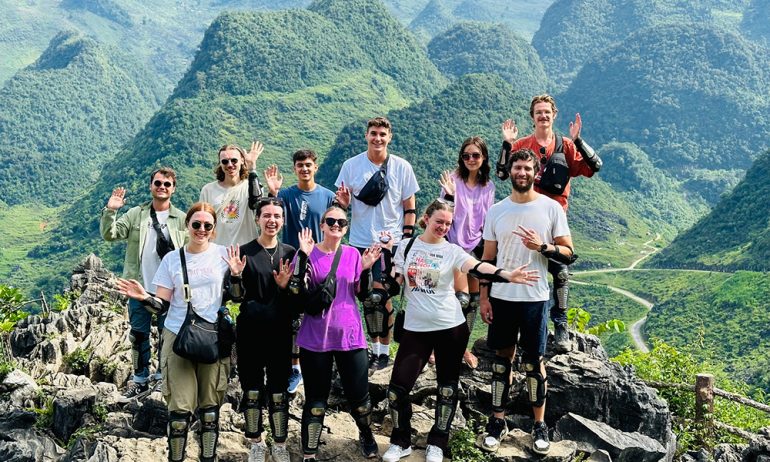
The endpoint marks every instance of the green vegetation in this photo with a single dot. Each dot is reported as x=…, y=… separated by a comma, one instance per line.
x=77, y=361
x=755, y=24
x=462, y=444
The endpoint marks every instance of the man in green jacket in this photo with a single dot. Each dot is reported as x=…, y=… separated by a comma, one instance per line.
x=152, y=230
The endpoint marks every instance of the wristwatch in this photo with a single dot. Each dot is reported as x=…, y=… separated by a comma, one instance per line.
x=543, y=247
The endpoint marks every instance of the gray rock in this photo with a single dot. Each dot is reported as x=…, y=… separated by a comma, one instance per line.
x=20, y=387
x=621, y=446
x=28, y=446
x=516, y=447
x=69, y=410
x=599, y=456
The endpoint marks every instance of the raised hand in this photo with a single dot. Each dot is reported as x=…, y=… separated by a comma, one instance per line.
x=282, y=277
x=521, y=275
x=253, y=154
x=370, y=256
x=529, y=238
x=510, y=131
x=234, y=260
x=386, y=240
x=447, y=182
x=574, y=127
x=274, y=179
x=306, y=242
x=342, y=196
x=131, y=288
x=117, y=199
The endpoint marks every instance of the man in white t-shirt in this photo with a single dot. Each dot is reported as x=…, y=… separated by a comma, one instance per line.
x=393, y=213
x=152, y=229
x=524, y=228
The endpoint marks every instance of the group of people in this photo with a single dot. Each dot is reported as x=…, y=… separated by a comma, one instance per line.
x=473, y=255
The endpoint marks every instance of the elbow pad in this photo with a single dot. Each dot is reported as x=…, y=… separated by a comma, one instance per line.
x=297, y=280
x=589, y=155
x=501, y=169
x=559, y=257
x=255, y=190
x=234, y=287
x=156, y=305
x=387, y=258
x=494, y=277
x=391, y=285
x=364, y=284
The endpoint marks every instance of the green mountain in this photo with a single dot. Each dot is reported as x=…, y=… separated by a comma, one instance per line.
x=61, y=117
x=700, y=115
x=308, y=92
x=435, y=18
x=475, y=47
x=735, y=235
x=756, y=22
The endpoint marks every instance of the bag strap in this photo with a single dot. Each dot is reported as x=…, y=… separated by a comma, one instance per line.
x=403, y=286
x=559, y=145
x=335, y=263
x=186, y=287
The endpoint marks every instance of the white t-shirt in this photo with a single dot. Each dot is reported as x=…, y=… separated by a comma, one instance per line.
x=548, y=219
x=205, y=271
x=388, y=215
x=235, y=220
x=429, y=289
x=150, y=259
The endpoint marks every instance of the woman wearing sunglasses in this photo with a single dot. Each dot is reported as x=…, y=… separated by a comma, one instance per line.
x=472, y=192
x=263, y=339
x=336, y=334
x=235, y=193
x=434, y=322
x=189, y=386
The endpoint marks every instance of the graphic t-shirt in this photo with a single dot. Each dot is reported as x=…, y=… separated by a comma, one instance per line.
x=429, y=285
x=150, y=259
x=471, y=205
x=548, y=219
x=340, y=327
x=235, y=220
x=205, y=271
x=304, y=210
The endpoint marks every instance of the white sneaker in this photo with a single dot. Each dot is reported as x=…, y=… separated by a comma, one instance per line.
x=258, y=452
x=395, y=453
x=433, y=454
x=280, y=453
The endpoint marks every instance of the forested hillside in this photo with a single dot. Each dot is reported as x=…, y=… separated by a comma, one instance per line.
x=756, y=22
x=64, y=115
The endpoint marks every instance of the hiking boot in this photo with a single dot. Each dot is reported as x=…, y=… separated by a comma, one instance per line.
x=158, y=375
x=540, y=443
x=433, y=454
x=495, y=432
x=395, y=453
x=368, y=445
x=258, y=452
x=134, y=389
x=280, y=453
x=295, y=379
x=382, y=361
x=561, y=342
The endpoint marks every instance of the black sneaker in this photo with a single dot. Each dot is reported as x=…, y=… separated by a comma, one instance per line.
x=540, y=442
x=561, y=342
x=368, y=445
x=495, y=432
x=382, y=361
x=134, y=389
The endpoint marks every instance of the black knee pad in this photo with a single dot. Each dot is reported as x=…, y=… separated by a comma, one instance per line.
x=446, y=404
x=536, y=382
x=251, y=405
x=501, y=383
x=137, y=338
x=362, y=413
x=472, y=310
x=178, y=425
x=376, y=313
x=400, y=407
x=209, y=432
x=279, y=415
x=464, y=298
x=312, y=425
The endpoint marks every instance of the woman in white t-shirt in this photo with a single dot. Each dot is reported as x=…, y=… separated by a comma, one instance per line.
x=189, y=386
x=434, y=322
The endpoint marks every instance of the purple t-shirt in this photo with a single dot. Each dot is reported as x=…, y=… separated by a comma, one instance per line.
x=471, y=206
x=340, y=327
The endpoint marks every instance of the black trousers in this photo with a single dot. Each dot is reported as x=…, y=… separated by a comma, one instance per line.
x=353, y=367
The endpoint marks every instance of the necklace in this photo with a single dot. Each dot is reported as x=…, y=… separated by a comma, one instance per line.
x=269, y=254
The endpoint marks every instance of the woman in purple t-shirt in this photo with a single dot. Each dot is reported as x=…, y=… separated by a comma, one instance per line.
x=336, y=334
x=473, y=193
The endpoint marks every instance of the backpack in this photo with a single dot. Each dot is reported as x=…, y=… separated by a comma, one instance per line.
x=553, y=177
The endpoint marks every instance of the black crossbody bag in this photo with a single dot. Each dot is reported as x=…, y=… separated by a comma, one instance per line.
x=377, y=186
x=320, y=299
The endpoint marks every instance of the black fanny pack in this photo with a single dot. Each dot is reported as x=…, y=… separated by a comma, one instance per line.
x=375, y=189
x=320, y=298
x=554, y=175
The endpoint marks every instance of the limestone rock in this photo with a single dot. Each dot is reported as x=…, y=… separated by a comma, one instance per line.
x=516, y=447
x=20, y=387
x=69, y=410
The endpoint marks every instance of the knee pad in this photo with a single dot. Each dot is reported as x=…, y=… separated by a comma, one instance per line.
x=295, y=325
x=312, y=425
x=362, y=413
x=472, y=310
x=137, y=338
x=251, y=404
x=376, y=313
x=209, y=432
x=501, y=383
x=464, y=298
x=446, y=405
x=279, y=416
x=536, y=382
x=400, y=407
x=178, y=424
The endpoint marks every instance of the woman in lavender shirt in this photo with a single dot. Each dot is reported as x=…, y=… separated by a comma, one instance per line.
x=473, y=193
x=336, y=334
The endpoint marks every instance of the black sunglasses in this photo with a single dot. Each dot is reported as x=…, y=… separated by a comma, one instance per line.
x=166, y=184
x=196, y=225
x=227, y=161
x=467, y=156
x=331, y=221
x=543, y=159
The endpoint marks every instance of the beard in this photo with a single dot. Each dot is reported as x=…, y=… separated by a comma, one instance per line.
x=525, y=187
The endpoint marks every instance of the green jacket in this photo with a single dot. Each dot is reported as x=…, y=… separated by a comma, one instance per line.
x=128, y=227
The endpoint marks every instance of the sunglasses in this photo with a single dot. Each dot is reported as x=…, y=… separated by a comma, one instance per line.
x=226, y=162
x=467, y=156
x=342, y=222
x=196, y=225
x=165, y=184
x=543, y=159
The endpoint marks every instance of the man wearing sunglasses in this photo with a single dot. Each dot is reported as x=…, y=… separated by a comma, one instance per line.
x=151, y=230
x=579, y=159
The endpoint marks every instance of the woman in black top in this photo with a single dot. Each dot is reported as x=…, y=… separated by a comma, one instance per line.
x=264, y=330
